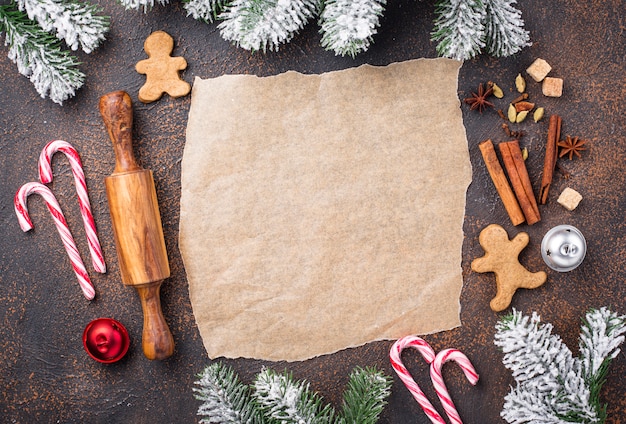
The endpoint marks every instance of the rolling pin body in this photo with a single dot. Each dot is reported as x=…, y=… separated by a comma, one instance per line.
x=137, y=225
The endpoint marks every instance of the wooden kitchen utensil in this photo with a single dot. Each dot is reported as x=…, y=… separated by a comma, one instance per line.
x=137, y=225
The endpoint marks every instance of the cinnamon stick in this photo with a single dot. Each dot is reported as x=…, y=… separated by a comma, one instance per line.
x=554, y=134
x=518, y=175
x=502, y=184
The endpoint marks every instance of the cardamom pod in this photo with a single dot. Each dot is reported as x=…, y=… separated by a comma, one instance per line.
x=538, y=114
x=521, y=116
x=520, y=83
x=512, y=113
x=497, y=91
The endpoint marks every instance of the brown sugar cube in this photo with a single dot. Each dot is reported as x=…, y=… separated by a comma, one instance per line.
x=569, y=199
x=539, y=69
x=552, y=87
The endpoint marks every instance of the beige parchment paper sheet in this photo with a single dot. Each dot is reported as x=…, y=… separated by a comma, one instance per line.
x=322, y=212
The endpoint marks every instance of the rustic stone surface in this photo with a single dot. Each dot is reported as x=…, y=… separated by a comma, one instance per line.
x=45, y=374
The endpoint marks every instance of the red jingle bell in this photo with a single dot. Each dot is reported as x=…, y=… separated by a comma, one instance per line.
x=106, y=340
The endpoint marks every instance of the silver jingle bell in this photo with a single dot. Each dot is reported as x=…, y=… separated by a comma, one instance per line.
x=563, y=248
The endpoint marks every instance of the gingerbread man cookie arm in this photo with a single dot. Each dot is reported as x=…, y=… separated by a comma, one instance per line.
x=519, y=242
x=180, y=63
x=144, y=66
x=481, y=264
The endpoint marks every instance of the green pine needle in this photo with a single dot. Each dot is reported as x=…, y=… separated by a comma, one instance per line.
x=348, y=26
x=278, y=399
x=552, y=384
x=205, y=10
x=38, y=56
x=261, y=25
x=459, y=28
x=504, y=28
x=365, y=396
x=225, y=398
x=286, y=401
x=146, y=5
x=77, y=23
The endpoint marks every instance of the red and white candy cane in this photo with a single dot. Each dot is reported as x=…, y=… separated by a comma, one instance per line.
x=440, y=386
x=396, y=362
x=21, y=210
x=45, y=176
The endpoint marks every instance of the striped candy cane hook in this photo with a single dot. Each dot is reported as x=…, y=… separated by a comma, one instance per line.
x=21, y=210
x=396, y=362
x=440, y=386
x=45, y=176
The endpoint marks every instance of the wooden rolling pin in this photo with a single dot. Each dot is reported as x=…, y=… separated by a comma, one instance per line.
x=137, y=225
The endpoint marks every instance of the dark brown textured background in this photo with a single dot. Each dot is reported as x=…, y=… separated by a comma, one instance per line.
x=45, y=375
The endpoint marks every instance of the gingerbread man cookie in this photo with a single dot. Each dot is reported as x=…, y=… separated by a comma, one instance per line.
x=161, y=70
x=501, y=258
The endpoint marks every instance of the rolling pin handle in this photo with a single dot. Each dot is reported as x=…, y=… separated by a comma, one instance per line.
x=157, y=340
x=117, y=112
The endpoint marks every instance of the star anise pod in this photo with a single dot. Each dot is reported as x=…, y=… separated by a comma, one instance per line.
x=479, y=100
x=572, y=146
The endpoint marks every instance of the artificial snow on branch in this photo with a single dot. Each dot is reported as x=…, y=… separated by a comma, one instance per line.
x=505, y=33
x=146, y=5
x=288, y=401
x=277, y=397
x=462, y=28
x=38, y=56
x=364, y=397
x=347, y=26
x=38, y=53
x=553, y=386
x=265, y=24
x=204, y=10
x=224, y=398
x=76, y=23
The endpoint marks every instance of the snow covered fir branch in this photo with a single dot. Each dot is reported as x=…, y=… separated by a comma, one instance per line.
x=38, y=31
x=553, y=386
x=462, y=28
x=278, y=398
x=348, y=26
x=76, y=23
x=35, y=31
x=265, y=24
